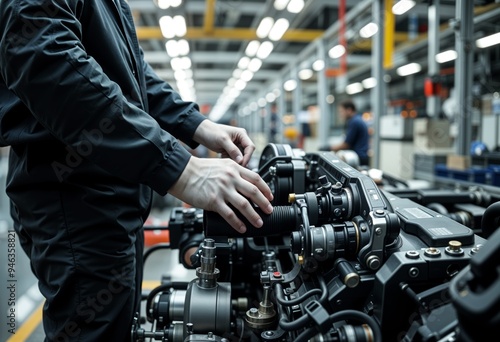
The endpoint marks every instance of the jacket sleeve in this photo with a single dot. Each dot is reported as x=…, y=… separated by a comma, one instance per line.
x=43, y=62
x=172, y=113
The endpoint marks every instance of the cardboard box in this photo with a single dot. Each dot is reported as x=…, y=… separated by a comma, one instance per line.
x=458, y=162
x=431, y=133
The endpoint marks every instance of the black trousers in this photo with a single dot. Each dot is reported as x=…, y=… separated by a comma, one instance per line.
x=85, y=242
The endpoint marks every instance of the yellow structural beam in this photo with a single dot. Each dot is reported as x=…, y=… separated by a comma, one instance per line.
x=389, y=30
x=153, y=32
x=208, y=23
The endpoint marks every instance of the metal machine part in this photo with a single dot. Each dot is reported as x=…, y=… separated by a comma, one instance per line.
x=340, y=260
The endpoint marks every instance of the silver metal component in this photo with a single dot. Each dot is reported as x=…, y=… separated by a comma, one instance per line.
x=412, y=255
x=432, y=252
x=264, y=316
x=454, y=248
x=413, y=272
x=378, y=231
x=373, y=262
x=475, y=249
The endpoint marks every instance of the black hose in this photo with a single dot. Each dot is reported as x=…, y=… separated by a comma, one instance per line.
x=296, y=301
x=489, y=222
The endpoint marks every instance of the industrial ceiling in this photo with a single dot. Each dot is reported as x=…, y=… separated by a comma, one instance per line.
x=219, y=31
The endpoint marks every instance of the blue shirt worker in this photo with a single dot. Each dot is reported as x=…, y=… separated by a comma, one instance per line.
x=357, y=136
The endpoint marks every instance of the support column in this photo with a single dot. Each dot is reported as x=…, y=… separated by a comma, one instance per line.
x=378, y=92
x=463, y=75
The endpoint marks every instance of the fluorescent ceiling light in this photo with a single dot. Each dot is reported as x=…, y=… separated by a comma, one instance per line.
x=318, y=65
x=180, y=75
x=336, y=51
x=295, y=6
x=186, y=62
x=237, y=73
x=240, y=84
x=261, y=102
x=166, y=23
x=171, y=47
x=368, y=30
x=265, y=49
x=252, y=48
x=270, y=97
x=180, y=28
x=264, y=27
x=246, y=75
x=279, y=28
x=305, y=74
x=290, y=85
x=369, y=82
x=354, y=88
x=175, y=3
x=280, y=4
x=183, y=47
x=488, y=41
x=163, y=4
x=402, y=6
x=243, y=63
x=254, y=64
x=408, y=69
x=446, y=56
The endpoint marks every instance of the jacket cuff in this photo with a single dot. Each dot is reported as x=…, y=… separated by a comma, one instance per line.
x=168, y=172
x=192, y=122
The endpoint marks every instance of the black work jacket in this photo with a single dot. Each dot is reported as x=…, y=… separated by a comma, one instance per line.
x=76, y=94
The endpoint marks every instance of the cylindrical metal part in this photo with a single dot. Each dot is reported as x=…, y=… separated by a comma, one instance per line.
x=283, y=219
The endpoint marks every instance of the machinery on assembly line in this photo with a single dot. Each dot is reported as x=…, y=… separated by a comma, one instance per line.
x=339, y=259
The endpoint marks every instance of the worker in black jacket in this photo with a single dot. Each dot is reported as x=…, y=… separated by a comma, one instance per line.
x=92, y=132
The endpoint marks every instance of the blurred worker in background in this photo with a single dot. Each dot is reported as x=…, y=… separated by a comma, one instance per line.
x=356, y=133
x=93, y=131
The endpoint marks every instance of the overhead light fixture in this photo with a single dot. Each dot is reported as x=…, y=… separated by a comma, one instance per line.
x=171, y=47
x=261, y=102
x=254, y=106
x=446, y=56
x=408, y=69
x=264, y=27
x=279, y=28
x=305, y=74
x=243, y=63
x=368, y=30
x=265, y=50
x=254, y=64
x=295, y=6
x=183, y=47
x=270, y=97
x=180, y=28
x=402, y=6
x=240, y=84
x=488, y=41
x=354, y=88
x=336, y=51
x=280, y=4
x=369, y=82
x=246, y=75
x=252, y=48
x=237, y=73
x=166, y=23
x=318, y=65
x=290, y=85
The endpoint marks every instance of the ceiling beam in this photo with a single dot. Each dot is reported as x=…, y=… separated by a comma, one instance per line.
x=238, y=34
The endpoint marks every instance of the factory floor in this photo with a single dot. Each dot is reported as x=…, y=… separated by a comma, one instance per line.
x=27, y=323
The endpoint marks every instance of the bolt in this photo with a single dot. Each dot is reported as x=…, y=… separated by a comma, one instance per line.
x=378, y=231
x=413, y=272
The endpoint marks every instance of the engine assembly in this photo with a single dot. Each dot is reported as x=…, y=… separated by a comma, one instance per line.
x=339, y=259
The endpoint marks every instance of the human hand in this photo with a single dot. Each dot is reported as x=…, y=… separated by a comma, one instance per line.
x=230, y=141
x=217, y=184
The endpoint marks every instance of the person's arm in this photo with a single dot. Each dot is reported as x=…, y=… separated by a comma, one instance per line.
x=174, y=115
x=342, y=146
x=44, y=63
